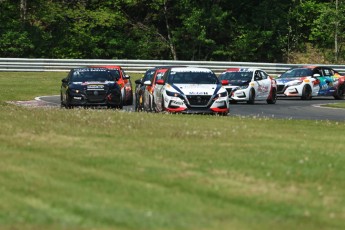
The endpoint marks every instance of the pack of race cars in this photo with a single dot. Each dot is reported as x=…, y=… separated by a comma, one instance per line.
x=183, y=89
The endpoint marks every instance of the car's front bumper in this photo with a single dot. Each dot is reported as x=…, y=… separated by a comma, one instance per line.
x=290, y=91
x=101, y=99
x=177, y=105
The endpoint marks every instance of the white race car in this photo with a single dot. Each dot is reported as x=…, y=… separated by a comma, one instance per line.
x=249, y=84
x=311, y=81
x=191, y=90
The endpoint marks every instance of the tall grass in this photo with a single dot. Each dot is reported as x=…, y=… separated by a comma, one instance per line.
x=105, y=169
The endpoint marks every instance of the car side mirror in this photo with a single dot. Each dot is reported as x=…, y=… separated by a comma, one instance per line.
x=256, y=78
x=225, y=82
x=64, y=80
x=148, y=82
x=126, y=77
x=160, y=82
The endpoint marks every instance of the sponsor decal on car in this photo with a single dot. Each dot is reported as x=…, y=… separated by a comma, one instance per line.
x=177, y=102
x=95, y=87
x=198, y=93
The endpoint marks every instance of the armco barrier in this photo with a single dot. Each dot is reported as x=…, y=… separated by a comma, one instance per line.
x=138, y=66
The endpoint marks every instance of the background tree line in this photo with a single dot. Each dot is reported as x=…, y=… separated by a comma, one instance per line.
x=303, y=31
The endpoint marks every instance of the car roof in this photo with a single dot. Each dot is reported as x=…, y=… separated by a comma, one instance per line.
x=106, y=66
x=162, y=70
x=311, y=67
x=190, y=69
x=162, y=67
x=244, y=69
x=84, y=69
x=168, y=66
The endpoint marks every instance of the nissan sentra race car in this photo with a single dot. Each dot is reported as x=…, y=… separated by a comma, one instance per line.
x=90, y=87
x=190, y=90
x=310, y=81
x=123, y=80
x=249, y=85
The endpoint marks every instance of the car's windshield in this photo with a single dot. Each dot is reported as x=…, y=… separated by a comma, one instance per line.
x=193, y=77
x=299, y=72
x=115, y=73
x=91, y=75
x=236, y=76
x=148, y=75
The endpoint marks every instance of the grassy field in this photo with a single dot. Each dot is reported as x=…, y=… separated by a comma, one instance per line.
x=106, y=169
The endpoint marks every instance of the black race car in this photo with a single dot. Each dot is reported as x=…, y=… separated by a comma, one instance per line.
x=90, y=87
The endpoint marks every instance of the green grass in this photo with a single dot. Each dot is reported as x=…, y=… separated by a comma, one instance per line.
x=336, y=105
x=27, y=85
x=105, y=169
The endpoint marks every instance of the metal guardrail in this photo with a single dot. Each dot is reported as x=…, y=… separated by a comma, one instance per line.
x=138, y=66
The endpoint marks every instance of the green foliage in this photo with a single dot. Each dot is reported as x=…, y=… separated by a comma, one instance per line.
x=329, y=29
x=163, y=29
x=15, y=44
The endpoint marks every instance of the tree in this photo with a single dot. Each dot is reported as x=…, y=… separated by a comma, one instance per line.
x=14, y=38
x=326, y=36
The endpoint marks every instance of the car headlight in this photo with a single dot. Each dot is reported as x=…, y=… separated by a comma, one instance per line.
x=173, y=94
x=74, y=90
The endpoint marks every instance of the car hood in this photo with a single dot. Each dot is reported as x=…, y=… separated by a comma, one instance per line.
x=196, y=89
x=283, y=81
x=238, y=82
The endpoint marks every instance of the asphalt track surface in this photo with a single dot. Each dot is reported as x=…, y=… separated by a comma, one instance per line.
x=285, y=108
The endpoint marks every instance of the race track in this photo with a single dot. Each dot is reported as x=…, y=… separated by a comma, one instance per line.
x=285, y=108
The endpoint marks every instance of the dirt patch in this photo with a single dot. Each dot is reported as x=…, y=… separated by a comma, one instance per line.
x=33, y=103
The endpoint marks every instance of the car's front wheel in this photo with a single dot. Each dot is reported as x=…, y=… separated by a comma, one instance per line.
x=138, y=103
x=273, y=98
x=62, y=105
x=306, y=93
x=251, y=99
x=67, y=103
x=120, y=106
x=130, y=100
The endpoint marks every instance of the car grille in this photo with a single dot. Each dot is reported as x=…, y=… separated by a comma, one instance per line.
x=280, y=88
x=96, y=95
x=229, y=91
x=198, y=100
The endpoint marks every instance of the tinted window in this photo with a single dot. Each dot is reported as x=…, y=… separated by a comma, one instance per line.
x=148, y=75
x=300, y=72
x=328, y=72
x=240, y=76
x=159, y=76
x=192, y=78
x=91, y=75
x=257, y=76
x=115, y=73
x=263, y=75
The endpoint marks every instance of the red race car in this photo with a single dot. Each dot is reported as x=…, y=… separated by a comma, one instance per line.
x=123, y=80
